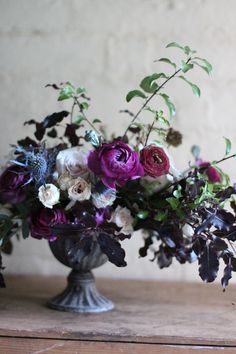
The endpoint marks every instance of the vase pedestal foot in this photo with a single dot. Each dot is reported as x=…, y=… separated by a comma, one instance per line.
x=81, y=295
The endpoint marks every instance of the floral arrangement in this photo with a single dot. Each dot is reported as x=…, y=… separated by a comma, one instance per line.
x=72, y=177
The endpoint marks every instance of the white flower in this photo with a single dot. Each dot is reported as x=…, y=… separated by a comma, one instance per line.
x=64, y=181
x=49, y=195
x=188, y=231
x=73, y=160
x=79, y=190
x=123, y=218
x=102, y=200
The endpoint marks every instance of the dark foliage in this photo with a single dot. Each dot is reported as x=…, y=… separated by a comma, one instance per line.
x=70, y=133
x=112, y=249
x=48, y=122
x=227, y=276
x=208, y=264
x=2, y=282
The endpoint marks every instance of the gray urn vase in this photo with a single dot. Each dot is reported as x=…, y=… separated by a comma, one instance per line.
x=81, y=294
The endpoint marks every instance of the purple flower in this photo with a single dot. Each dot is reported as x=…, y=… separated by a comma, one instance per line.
x=41, y=221
x=211, y=172
x=12, y=181
x=103, y=215
x=115, y=163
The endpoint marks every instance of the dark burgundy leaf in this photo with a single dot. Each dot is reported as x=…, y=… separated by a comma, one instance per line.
x=171, y=234
x=218, y=244
x=8, y=247
x=70, y=133
x=52, y=133
x=27, y=142
x=226, y=193
x=40, y=131
x=53, y=86
x=199, y=244
x=227, y=276
x=147, y=243
x=55, y=118
x=208, y=264
x=220, y=219
x=112, y=249
x=163, y=259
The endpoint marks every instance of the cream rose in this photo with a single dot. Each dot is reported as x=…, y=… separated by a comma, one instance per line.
x=79, y=190
x=49, y=195
x=73, y=160
x=102, y=200
x=64, y=181
x=123, y=219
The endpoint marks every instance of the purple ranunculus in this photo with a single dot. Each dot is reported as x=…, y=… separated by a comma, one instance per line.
x=12, y=183
x=211, y=172
x=115, y=163
x=41, y=221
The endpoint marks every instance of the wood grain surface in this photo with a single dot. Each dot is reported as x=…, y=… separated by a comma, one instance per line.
x=146, y=312
x=40, y=346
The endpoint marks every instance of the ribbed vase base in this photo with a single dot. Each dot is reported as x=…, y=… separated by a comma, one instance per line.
x=81, y=295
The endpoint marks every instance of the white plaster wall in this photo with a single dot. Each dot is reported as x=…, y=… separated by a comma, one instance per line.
x=108, y=46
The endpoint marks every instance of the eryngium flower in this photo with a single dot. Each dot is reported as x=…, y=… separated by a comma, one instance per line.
x=115, y=163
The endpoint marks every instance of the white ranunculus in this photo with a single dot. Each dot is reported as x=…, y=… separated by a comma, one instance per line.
x=73, y=160
x=102, y=200
x=123, y=219
x=79, y=190
x=49, y=195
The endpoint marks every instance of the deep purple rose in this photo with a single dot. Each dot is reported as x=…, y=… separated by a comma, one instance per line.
x=41, y=221
x=12, y=183
x=211, y=172
x=115, y=163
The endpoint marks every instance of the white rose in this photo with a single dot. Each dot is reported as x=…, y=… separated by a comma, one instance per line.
x=123, y=219
x=73, y=160
x=79, y=190
x=49, y=195
x=64, y=181
x=188, y=231
x=102, y=200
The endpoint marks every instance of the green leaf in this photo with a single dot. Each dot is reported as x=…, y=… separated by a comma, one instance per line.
x=25, y=229
x=169, y=104
x=147, y=83
x=142, y=214
x=186, y=66
x=168, y=61
x=188, y=50
x=175, y=45
x=195, y=88
x=206, y=65
x=80, y=91
x=177, y=193
x=228, y=146
x=201, y=66
x=134, y=93
x=195, y=150
x=161, y=215
x=5, y=231
x=84, y=105
x=97, y=121
x=66, y=92
x=78, y=120
x=174, y=203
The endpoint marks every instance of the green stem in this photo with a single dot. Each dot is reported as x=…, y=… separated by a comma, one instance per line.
x=152, y=95
x=84, y=116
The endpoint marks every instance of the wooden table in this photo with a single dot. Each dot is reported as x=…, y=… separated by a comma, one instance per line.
x=150, y=317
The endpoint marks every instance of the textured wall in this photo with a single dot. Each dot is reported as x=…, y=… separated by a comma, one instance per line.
x=108, y=46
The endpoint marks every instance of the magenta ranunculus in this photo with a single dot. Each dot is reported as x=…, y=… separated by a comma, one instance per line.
x=115, y=163
x=41, y=221
x=12, y=183
x=211, y=172
x=155, y=161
